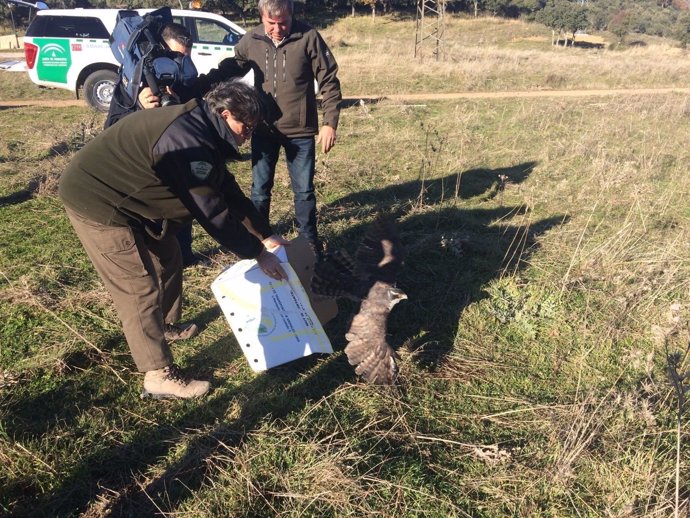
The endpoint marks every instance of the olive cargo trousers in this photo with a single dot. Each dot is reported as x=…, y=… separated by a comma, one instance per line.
x=144, y=277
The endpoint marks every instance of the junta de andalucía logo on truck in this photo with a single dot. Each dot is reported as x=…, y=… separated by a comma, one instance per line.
x=54, y=60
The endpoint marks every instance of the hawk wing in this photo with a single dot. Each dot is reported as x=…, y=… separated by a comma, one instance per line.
x=334, y=276
x=367, y=348
x=378, y=258
x=381, y=253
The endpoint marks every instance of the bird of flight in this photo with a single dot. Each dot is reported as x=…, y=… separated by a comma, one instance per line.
x=370, y=279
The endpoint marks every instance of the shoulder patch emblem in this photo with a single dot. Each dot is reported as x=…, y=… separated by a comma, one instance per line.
x=201, y=170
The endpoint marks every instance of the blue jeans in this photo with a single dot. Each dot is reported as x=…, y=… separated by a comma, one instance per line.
x=300, y=154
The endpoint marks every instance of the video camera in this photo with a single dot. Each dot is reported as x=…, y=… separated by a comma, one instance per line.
x=165, y=68
x=137, y=44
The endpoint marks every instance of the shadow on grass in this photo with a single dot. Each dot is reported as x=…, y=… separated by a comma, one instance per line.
x=16, y=197
x=429, y=192
x=453, y=252
x=589, y=45
x=23, y=195
x=274, y=395
x=116, y=470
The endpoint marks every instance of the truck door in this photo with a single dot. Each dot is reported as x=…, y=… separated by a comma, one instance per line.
x=213, y=42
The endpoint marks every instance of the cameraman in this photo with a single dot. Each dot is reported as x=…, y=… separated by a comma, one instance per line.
x=176, y=38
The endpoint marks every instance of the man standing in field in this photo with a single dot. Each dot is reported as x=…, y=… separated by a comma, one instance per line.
x=129, y=189
x=287, y=56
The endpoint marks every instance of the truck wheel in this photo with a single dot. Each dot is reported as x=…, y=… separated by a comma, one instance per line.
x=98, y=89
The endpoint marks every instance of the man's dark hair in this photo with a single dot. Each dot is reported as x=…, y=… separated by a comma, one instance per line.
x=178, y=33
x=239, y=99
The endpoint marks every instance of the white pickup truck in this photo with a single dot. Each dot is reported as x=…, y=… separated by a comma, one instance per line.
x=70, y=48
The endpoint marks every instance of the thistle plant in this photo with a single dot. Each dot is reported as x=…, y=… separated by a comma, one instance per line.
x=677, y=376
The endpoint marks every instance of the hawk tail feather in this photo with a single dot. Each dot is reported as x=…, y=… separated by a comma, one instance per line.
x=376, y=365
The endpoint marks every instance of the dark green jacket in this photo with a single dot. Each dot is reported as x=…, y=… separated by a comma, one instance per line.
x=287, y=72
x=165, y=165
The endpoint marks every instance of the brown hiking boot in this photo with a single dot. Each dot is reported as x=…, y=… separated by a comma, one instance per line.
x=169, y=382
x=174, y=332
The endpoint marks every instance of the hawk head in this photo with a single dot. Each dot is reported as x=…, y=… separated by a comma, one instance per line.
x=395, y=295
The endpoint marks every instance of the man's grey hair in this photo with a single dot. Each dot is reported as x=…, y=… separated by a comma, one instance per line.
x=275, y=7
x=239, y=99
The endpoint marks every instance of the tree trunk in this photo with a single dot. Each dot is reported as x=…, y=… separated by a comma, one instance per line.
x=476, y=8
x=553, y=37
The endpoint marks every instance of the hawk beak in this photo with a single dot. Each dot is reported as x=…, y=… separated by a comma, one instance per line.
x=398, y=293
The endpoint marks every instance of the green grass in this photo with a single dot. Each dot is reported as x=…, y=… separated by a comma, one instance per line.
x=547, y=276
x=18, y=86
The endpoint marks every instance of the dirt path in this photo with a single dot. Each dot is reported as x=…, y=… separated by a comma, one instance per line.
x=535, y=93
x=49, y=103
x=425, y=97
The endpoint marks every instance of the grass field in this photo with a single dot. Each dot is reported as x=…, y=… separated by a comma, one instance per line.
x=547, y=275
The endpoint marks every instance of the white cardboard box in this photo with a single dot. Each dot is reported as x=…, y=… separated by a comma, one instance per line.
x=272, y=320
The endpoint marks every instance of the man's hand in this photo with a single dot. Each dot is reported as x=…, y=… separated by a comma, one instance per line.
x=268, y=262
x=270, y=265
x=274, y=241
x=326, y=138
x=147, y=99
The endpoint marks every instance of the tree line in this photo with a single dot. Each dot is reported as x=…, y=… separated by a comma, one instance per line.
x=667, y=18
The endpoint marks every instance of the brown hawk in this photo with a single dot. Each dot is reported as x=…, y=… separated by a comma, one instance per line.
x=370, y=279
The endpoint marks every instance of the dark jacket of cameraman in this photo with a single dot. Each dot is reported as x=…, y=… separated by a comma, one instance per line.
x=161, y=166
x=287, y=72
x=121, y=104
